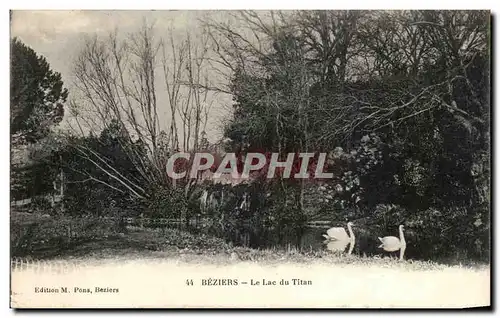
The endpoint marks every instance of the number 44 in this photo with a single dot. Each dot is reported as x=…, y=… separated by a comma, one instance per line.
x=189, y=282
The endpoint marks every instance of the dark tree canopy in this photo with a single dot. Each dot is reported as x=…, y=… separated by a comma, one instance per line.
x=37, y=94
x=405, y=103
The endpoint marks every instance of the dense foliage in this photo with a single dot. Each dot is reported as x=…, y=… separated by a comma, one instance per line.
x=402, y=97
x=37, y=94
x=399, y=100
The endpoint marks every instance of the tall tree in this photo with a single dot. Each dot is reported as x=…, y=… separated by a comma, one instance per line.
x=404, y=92
x=37, y=94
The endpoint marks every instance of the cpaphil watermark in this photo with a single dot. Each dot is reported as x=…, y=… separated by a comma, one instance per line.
x=302, y=165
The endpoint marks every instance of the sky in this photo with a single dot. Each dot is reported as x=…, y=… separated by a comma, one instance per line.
x=58, y=36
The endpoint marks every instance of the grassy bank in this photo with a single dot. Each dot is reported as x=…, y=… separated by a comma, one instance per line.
x=150, y=267
x=91, y=239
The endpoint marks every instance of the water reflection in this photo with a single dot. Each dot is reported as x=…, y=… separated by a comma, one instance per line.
x=337, y=246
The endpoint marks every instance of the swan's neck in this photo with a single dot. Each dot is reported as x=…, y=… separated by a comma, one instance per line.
x=402, y=236
x=351, y=240
x=351, y=233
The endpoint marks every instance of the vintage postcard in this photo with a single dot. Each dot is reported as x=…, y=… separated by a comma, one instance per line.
x=250, y=159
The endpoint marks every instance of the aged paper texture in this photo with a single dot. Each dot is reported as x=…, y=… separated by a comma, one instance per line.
x=250, y=159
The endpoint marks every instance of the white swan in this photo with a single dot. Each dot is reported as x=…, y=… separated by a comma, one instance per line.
x=337, y=238
x=392, y=243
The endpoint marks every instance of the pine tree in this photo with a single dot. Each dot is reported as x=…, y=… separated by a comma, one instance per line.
x=37, y=95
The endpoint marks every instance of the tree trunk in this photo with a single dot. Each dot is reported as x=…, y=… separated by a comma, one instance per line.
x=61, y=193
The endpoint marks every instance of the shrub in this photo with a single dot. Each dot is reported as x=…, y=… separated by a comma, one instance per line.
x=41, y=205
x=167, y=202
x=32, y=233
x=451, y=232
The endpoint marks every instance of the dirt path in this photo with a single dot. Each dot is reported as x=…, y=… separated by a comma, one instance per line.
x=161, y=283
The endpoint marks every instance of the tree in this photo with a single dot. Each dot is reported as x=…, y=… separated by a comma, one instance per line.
x=405, y=94
x=99, y=170
x=118, y=78
x=37, y=95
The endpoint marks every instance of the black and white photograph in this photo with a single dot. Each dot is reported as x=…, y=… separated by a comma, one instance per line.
x=250, y=158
